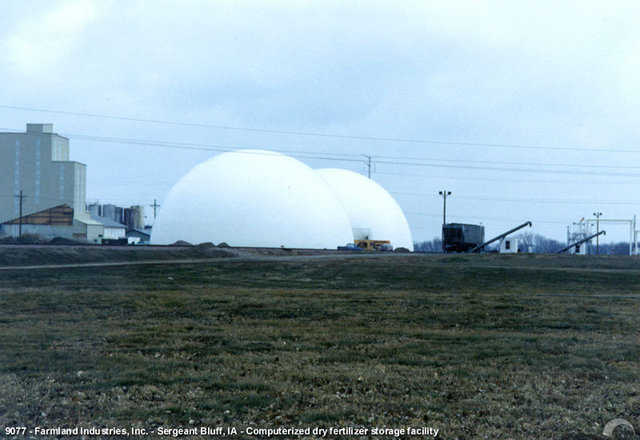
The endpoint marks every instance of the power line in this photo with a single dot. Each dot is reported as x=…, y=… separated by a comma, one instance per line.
x=512, y=170
x=544, y=164
x=207, y=147
x=214, y=147
x=346, y=156
x=502, y=180
x=540, y=201
x=326, y=135
x=106, y=200
x=416, y=194
x=501, y=219
x=368, y=160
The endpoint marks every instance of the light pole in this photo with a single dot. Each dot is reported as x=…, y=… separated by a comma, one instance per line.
x=597, y=214
x=444, y=194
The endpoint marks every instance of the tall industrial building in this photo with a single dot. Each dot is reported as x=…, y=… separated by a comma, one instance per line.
x=36, y=164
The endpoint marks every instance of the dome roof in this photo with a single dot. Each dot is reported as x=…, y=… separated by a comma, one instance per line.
x=253, y=198
x=369, y=206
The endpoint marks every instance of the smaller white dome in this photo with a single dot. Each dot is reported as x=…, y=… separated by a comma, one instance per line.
x=370, y=208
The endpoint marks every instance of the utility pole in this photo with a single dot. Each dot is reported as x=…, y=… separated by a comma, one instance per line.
x=597, y=214
x=155, y=207
x=444, y=194
x=20, y=197
x=368, y=165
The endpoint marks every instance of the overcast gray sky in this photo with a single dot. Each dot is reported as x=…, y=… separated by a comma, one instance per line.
x=555, y=84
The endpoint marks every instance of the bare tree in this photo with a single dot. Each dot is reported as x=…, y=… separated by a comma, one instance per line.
x=432, y=246
x=539, y=243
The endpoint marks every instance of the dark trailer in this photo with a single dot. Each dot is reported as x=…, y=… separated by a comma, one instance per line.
x=461, y=237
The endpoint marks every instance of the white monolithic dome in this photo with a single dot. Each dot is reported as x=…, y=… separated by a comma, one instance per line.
x=253, y=198
x=371, y=209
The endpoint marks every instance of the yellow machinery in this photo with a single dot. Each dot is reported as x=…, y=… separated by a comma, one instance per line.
x=371, y=245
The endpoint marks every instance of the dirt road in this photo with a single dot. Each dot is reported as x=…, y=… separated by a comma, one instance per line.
x=242, y=258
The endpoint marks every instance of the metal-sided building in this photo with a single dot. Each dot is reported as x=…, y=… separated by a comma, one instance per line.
x=113, y=230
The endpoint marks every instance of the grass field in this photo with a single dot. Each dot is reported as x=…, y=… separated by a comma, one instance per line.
x=477, y=346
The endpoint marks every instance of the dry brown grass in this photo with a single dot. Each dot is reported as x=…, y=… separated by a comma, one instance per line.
x=476, y=346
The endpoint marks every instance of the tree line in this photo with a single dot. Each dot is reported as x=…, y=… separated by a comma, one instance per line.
x=531, y=242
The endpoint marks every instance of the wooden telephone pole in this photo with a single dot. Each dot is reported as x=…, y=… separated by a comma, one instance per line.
x=368, y=164
x=21, y=198
x=155, y=207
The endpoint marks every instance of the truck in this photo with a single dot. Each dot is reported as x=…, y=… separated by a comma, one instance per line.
x=374, y=245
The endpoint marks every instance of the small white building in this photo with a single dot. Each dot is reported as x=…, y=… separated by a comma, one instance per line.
x=576, y=232
x=135, y=236
x=112, y=229
x=509, y=246
x=580, y=249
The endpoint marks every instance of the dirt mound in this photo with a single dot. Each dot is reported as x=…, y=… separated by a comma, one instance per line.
x=181, y=243
x=63, y=241
x=71, y=254
x=25, y=239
